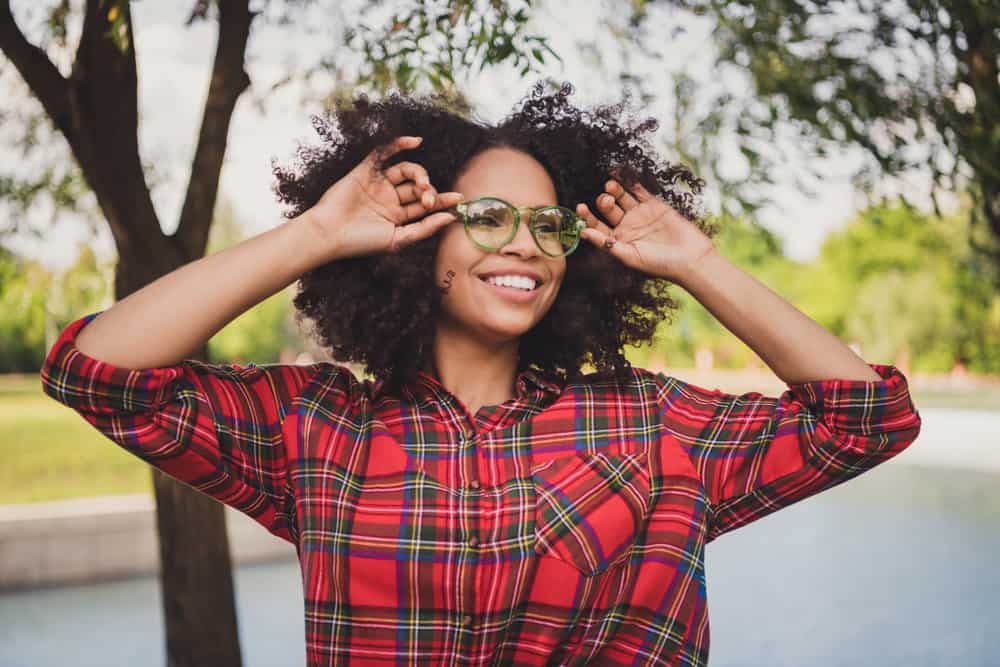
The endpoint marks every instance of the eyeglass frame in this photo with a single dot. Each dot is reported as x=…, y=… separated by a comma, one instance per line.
x=463, y=207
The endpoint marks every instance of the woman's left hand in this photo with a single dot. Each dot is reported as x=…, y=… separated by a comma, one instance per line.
x=644, y=232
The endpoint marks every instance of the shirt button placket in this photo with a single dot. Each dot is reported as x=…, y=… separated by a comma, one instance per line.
x=468, y=442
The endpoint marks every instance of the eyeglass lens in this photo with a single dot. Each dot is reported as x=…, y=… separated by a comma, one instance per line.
x=491, y=224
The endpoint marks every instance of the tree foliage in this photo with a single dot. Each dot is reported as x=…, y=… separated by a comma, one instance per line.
x=904, y=287
x=913, y=84
x=907, y=284
x=36, y=303
x=266, y=330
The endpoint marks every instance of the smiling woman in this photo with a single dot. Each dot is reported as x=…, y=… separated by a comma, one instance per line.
x=483, y=500
x=383, y=310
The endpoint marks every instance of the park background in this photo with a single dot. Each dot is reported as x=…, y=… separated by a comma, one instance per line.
x=889, y=257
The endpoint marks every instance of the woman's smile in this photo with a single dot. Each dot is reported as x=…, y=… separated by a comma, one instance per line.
x=515, y=290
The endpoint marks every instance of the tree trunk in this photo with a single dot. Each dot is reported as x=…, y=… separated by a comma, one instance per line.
x=196, y=577
x=199, y=605
x=101, y=122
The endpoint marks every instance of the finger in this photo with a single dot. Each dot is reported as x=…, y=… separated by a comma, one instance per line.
x=401, y=143
x=407, y=171
x=592, y=220
x=622, y=196
x=641, y=193
x=408, y=234
x=441, y=201
x=601, y=240
x=409, y=192
x=610, y=209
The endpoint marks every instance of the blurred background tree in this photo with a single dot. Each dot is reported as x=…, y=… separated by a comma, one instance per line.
x=264, y=332
x=36, y=304
x=910, y=289
x=912, y=86
x=23, y=286
x=906, y=288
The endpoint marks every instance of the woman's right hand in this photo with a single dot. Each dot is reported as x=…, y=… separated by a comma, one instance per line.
x=370, y=211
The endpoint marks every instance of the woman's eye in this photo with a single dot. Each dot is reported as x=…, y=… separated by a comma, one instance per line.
x=485, y=221
x=546, y=226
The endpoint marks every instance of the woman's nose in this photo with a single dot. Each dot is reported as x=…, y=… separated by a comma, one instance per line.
x=523, y=242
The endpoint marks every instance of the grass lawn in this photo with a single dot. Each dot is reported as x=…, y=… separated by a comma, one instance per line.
x=51, y=453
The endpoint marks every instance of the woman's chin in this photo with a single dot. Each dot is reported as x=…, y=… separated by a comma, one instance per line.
x=502, y=330
x=495, y=327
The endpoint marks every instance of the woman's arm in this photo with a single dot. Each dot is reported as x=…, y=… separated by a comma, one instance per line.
x=165, y=321
x=793, y=345
x=367, y=211
x=218, y=428
x=645, y=233
x=756, y=454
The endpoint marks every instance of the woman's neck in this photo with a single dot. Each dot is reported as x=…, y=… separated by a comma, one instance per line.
x=475, y=372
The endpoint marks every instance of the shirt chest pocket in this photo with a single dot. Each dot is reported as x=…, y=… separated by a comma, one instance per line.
x=590, y=508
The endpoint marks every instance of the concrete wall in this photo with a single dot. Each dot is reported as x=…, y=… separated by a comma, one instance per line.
x=102, y=538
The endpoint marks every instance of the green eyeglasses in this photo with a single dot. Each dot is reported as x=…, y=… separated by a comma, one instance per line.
x=491, y=223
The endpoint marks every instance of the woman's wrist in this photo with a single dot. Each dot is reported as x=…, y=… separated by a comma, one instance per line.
x=695, y=269
x=311, y=243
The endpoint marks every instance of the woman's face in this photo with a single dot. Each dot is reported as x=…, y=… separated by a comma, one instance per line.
x=495, y=313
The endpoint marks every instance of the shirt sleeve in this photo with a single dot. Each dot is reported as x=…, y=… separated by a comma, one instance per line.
x=756, y=454
x=217, y=428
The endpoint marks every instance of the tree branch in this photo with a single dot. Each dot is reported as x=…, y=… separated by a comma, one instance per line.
x=229, y=80
x=105, y=113
x=37, y=70
x=198, y=12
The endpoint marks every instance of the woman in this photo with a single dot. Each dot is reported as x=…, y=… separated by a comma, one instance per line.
x=483, y=500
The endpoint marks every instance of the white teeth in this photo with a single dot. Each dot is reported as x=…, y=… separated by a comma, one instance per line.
x=520, y=282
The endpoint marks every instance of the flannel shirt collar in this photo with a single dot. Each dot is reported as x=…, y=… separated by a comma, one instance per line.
x=531, y=387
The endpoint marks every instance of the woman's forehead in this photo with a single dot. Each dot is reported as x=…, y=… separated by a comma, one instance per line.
x=507, y=173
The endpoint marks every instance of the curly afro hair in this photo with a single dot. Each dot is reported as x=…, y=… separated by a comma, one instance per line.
x=379, y=311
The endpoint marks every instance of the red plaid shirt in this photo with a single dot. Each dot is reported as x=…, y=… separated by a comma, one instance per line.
x=566, y=526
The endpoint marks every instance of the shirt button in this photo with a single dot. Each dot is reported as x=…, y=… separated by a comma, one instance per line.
x=474, y=485
x=473, y=541
x=467, y=620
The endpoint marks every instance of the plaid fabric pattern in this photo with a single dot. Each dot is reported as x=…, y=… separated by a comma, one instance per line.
x=566, y=526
